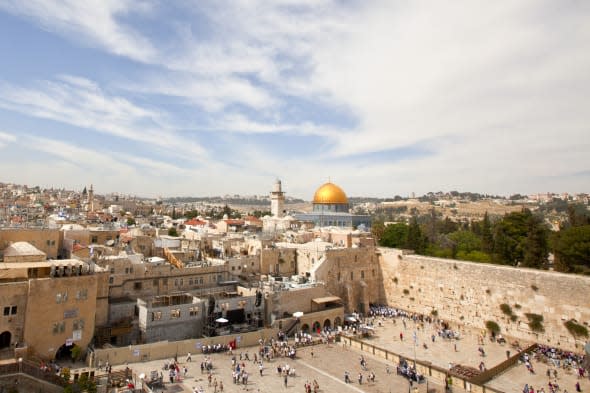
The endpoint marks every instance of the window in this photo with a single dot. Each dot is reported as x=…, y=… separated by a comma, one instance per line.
x=137, y=285
x=61, y=297
x=176, y=282
x=156, y=315
x=6, y=310
x=165, y=281
x=201, y=280
x=53, y=242
x=112, y=270
x=181, y=281
x=48, y=242
x=94, y=239
x=82, y=294
x=190, y=281
x=362, y=274
x=111, y=280
x=174, y=314
x=156, y=282
x=373, y=272
x=130, y=270
x=59, y=327
x=78, y=324
x=339, y=276
x=193, y=311
x=352, y=275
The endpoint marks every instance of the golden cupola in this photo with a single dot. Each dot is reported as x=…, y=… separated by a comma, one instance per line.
x=330, y=193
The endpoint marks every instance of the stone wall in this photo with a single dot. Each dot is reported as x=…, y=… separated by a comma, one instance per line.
x=354, y=275
x=13, y=294
x=64, y=301
x=167, y=350
x=471, y=294
x=47, y=240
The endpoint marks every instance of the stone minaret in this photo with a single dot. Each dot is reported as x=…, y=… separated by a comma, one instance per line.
x=90, y=199
x=277, y=200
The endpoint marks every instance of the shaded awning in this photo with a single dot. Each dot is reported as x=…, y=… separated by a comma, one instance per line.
x=327, y=299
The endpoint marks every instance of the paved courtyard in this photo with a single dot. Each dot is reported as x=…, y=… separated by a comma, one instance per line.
x=441, y=352
x=329, y=362
x=327, y=367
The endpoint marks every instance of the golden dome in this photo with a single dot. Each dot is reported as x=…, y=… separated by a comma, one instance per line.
x=330, y=193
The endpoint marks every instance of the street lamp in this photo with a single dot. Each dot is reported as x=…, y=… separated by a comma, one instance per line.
x=20, y=365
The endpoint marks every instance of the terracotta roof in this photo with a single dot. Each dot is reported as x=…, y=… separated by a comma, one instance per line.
x=196, y=223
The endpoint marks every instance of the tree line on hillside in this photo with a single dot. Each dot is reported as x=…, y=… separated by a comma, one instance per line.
x=517, y=239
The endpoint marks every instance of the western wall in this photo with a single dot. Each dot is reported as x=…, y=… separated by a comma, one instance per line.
x=472, y=293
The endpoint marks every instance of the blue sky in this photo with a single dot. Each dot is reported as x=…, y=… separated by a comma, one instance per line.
x=215, y=97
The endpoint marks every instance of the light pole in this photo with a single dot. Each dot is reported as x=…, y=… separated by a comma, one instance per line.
x=415, y=343
x=20, y=365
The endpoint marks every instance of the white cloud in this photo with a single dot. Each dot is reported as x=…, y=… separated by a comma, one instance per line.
x=81, y=103
x=497, y=92
x=90, y=22
x=6, y=138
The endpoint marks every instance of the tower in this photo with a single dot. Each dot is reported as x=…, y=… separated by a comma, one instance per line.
x=277, y=200
x=90, y=199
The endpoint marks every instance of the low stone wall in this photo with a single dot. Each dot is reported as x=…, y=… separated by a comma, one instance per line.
x=170, y=349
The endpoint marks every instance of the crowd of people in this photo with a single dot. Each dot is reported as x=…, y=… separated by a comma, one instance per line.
x=282, y=347
x=559, y=357
x=216, y=348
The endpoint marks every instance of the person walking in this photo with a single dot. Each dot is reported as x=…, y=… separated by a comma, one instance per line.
x=285, y=379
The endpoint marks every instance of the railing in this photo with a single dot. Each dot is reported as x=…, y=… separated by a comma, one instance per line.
x=426, y=368
x=500, y=368
x=31, y=370
x=291, y=327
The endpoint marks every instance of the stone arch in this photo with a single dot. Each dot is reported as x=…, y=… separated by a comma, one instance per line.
x=5, y=339
x=327, y=324
x=316, y=325
x=305, y=328
x=64, y=352
x=337, y=321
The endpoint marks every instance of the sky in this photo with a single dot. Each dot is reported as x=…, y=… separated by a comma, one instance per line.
x=202, y=98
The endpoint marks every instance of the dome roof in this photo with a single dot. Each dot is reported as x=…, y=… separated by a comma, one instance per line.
x=330, y=193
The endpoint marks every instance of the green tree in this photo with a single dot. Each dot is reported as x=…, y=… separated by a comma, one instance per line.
x=536, y=248
x=578, y=215
x=191, y=214
x=571, y=248
x=487, y=238
x=448, y=226
x=394, y=235
x=416, y=240
x=377, y=229
x=172, y=232
x=466, y=241
x=509, y=236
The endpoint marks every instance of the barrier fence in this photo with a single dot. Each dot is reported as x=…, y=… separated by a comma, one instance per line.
x=475, y=384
